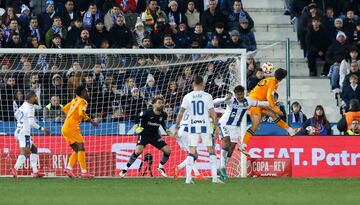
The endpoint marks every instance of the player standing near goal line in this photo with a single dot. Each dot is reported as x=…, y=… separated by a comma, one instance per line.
x=200, y=107
x=26, y=120
x=264, y=91
x=183, y=139
x=76, y=112
x=147, y=125
x=230, y=122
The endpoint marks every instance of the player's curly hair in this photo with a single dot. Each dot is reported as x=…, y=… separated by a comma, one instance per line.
x=280, y=74
x=80, y=89
x=239, y=89
x=156, y=98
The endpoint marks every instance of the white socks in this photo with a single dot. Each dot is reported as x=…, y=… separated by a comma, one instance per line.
x=183, y=164
x=189, y=168
x=213, y=167
x=20, y=161
x=223, y=158
x=34, y=162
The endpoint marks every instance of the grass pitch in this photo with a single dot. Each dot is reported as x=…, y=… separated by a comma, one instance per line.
x=169, y=192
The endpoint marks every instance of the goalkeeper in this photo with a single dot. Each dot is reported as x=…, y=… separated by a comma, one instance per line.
x=147, y=126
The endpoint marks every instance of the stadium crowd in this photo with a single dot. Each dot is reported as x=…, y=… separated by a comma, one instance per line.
x=326, y=31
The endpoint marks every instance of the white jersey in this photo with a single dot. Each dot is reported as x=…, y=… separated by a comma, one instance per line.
x=198, y=104
x=235, y=110
x=26, y=120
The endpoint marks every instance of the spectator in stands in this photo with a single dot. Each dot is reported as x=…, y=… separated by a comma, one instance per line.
x=221, y=34
x=250, y=66
x=353, y=113
x=305, y=20
x=56, y=28
x=246, y=35
x=56, y=41
x=19, y=100
x=170, y=114
x=111, y=15
x=211, y=16
x=236, y=14
x=8, y=15
x=84, y=41
x=56, y=88
x=168, y=42
x=128, y=86
x=69, y=15
x=317, y=44
x=74, y=33
x=91, y=16
x=296, y=115
x=339, y=26
x=151, y=15
x=185, y=79
x=354, y=70
x=150, y=89
x=108, y=95
x=349, y=21
x=281, y=106
x=13, y=27
x=192, y=15
x=353, y=55
x=33, y=30
x=354, y=128
x=99, y=33
x=234, y=41
x=46, y=18
x=355, y=36
x=255, y=79
x=117, y=115
x=146, y=43
x=318, y=124
x=139, y=33
x=328, y=21
x=175, y=16
x=53, y=112
x=25, y=16
x=120, y=35
x=131, y=18
x=36, y=87
x=135, y=104
x=75, y=79
x=182, y=37
x=351, y=91
x=14, y=41
x=160, y=30
x=199, y=39
x=335, y=54
x=214, y=42
x=32, y=42
x=7, y=97
x=209, y=80
x=173, y=96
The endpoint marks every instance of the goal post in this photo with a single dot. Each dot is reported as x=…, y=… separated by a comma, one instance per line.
x=121, y=83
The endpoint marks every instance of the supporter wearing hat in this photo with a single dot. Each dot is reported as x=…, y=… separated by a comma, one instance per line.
x=234, y=41
x=221, y=34
x=246, y=35
x=46, y=18
x=25, y=16
x=99, y=33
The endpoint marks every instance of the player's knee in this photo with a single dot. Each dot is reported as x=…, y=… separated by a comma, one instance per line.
x=34, y=150
x=74, y=147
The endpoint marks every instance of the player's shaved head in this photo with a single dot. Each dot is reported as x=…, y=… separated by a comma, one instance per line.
x=280, y=74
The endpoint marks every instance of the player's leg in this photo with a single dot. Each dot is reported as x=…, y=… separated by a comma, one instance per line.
x=166, y=154
x=34, y=158
x=225, y=141
x=72, y=159
x=190, y=164
x=138, y=151
x=208, y=141
x=255, y=122
x=81, y=155
x=279, y=122
x=24, y=142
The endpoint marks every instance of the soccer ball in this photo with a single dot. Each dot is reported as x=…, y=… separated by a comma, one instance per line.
x=267, y=67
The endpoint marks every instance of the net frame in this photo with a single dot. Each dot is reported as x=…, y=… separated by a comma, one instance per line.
x=240, y=54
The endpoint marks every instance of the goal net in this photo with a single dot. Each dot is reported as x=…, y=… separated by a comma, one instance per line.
x=121, y=84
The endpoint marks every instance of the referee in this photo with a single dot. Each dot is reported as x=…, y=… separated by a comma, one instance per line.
x=147, y=126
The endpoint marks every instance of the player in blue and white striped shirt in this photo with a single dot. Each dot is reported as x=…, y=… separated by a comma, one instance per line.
x=230, y=122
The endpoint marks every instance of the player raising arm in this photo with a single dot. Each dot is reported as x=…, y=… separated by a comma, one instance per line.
x=230, y=122
x=26, y=120
x=147, y=126
x=75, y=113
x=200, y=107
x=264, y=91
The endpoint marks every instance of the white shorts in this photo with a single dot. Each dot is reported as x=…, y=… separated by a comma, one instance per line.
x=234, y=132
x=24, y=140
x=183, y=138
x=207, y=139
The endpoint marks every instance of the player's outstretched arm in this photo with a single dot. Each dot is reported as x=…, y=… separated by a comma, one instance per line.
x=178, y=120
x=219, y=101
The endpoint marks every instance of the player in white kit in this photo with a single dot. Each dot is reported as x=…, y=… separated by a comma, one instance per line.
x=230, y=122
x=26, y=120
x=200, y=107
x=182, y=139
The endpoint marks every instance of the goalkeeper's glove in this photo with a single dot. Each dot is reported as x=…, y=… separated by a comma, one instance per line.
x=213, y=127
x=138, y=129
x=169, y=133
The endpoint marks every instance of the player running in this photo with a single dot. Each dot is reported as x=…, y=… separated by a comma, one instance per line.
x=26, y=120
x=183, y=138
x=200, y=107
x=76, y=112
x=230, y=122
x=264, y=91
x=147, y=126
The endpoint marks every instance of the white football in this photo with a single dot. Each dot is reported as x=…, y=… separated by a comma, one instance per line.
x=267, y=67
